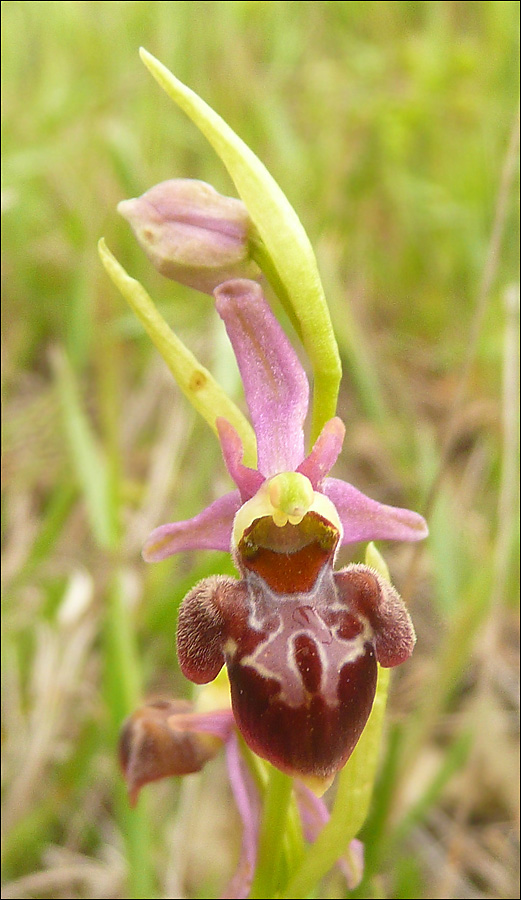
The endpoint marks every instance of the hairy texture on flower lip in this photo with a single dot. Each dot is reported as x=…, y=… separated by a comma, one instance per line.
x=302, y=666
x=370, y=596
x=300, y=642
x=204, y=659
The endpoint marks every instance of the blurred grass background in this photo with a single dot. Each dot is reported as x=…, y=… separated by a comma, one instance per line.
x=392, y=128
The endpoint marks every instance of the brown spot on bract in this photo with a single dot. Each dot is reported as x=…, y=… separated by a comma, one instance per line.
x=197, y=381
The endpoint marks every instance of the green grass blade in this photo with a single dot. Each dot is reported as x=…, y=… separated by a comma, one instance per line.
x=87, y=456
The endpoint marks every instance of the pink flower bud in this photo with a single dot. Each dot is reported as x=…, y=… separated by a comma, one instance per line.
x=192, y=234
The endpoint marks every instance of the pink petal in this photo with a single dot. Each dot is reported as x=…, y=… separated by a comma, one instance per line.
x=219, y=723
x=248, y=805
x=315, y=814
x=275, y=383
x=210, y=530
x=324, y=453
x=364, y=519
x=352, y=864
x=313, y=811
x=247, y=480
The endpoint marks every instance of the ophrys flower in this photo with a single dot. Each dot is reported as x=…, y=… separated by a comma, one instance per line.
x=300, y=640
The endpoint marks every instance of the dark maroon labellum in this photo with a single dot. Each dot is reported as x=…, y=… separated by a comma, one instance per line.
x=303, y=676
x=302, y=664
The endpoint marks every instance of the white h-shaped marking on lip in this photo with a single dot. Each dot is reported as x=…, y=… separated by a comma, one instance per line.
x=333, y=651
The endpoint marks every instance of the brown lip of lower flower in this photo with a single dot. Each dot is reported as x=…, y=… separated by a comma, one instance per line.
x=151, y=747
x=143, y=742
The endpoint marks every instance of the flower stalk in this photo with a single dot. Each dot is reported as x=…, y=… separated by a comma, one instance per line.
x=298, y=650
x=275, y=813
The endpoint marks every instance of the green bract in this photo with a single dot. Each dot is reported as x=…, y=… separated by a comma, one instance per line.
x=288, y=259
x=196, y=382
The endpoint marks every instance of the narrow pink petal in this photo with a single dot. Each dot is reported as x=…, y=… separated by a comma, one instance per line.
x=210, y=530
x=219, y=723
x=275, y=383
x=364, y=519
x=247, y=480
x=313, y=811
x=352, y=864
x=324, y=453
x=248, y=805
x=315, y=814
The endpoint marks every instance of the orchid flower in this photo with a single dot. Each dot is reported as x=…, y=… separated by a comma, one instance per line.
x=165, y=738
x=300, y=640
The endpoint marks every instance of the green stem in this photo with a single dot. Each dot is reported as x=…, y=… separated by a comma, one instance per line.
x=271, y=841
x=294, y=844
x=135, y=827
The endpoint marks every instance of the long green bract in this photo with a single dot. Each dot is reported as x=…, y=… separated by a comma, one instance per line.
x=284, y=238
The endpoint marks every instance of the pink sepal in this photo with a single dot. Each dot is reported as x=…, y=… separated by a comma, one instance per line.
x=210, y=530
x=364, y=519
x=275, y=383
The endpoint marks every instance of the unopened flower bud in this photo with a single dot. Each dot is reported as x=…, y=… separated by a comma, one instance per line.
x=192, y=234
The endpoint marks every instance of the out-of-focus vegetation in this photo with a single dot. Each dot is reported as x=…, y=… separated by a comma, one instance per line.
x=392, y=129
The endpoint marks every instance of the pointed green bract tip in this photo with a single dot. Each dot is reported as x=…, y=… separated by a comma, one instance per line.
x=375, y=560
